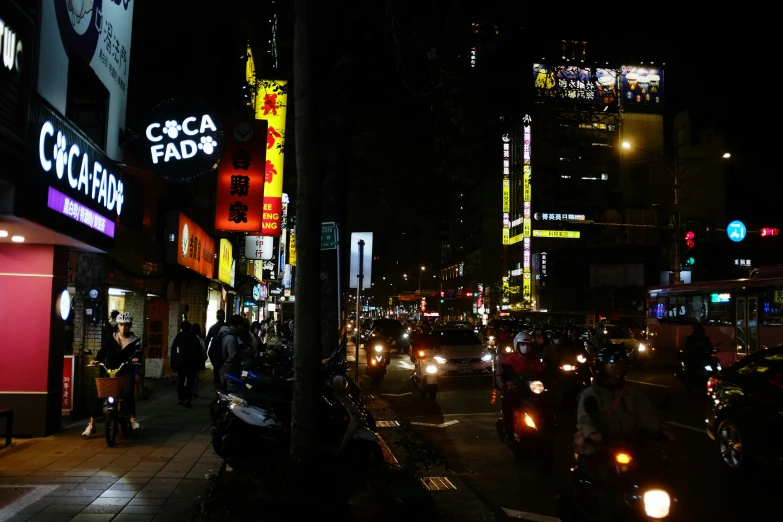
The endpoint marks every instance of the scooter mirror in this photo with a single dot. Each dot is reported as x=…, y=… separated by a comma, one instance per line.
x=591, y=405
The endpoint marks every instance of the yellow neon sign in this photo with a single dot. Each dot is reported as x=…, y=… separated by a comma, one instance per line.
x=560, y=234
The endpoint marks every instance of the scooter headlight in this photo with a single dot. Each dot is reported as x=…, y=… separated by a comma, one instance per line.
x=568, y=368
x=487, y=357
x=536, y=387
x=581, y=358
x=529, y=422
x=509, y=349
x=440, y=360
x=404, y=336
x=657, y=503
x=642, y=347
x=431, y=368
x=110, y=400
x=708, y=368
x=378, y=348
x=491, y=338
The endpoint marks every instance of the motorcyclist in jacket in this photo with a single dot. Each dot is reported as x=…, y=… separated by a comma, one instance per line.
x=521, y=364
x=698, y=348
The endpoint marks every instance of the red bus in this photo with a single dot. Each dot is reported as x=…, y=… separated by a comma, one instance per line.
x=742, y=316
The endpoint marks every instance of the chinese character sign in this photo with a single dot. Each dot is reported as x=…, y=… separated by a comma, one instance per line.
x=241, y=177
x=157, y=330
x=68, y=376
x=259, y=247
x=225, y=261
x=576, y=84
x=527, y=193
x=506, y=187
x=196, y=249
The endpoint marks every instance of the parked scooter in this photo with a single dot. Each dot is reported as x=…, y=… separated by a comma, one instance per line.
x=112, y=388
x=426, y=373
x=634, y=484
x=378, y=357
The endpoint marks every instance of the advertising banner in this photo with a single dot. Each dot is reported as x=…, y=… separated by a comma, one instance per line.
x=561, y=234
x=226, y=262
x=259, y=247
x=240, y=188
x=599, y=86
x=270, y=98
x=292, y=247
x=98, y=32
x=69, y=374
x=642, y=85
x=191, y=246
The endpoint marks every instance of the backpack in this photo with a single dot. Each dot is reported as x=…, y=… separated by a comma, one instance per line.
x=215, y=352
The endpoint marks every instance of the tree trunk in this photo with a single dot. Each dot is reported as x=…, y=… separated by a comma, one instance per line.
x=307, y=341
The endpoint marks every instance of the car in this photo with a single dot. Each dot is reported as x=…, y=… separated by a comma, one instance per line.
x=637, y=349
x=392, y=330
x=460, y=352
x=745, y=414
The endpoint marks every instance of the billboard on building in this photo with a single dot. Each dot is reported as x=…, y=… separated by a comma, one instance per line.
x=99, y=33
x=583, y=85
x=642, y=85
x=189, y=245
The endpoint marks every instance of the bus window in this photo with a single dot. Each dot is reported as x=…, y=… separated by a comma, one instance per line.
x=772, y=307
x=720, y=313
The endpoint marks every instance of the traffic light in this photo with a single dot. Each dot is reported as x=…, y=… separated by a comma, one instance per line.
x=769, y=232
x=690, y=261
x=689, y=236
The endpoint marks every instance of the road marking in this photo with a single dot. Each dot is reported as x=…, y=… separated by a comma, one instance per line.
x=438, y=483
x=406, y=365
x=387, y=424
x=493, y=413
x=648, y=383
x=429, y=425
x=396, y=394
x=386, y=451
x=692, y=428
x=521, y=515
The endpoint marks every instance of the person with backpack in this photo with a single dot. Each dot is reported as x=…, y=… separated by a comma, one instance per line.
x=233, y=347
x=214, y=347
x=187, y=359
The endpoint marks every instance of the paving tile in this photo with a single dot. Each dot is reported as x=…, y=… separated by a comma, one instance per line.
x=134, y=517
x=128, y=486
x=64, y=509
x=102, y=509
x=113, y=501
x=118, y=493
x=50, y=517
x=169, y=517
x=147, y=501
x=19, y=518
x=37, y=506
x=163, y=481
x=91, y=517
x=181, y=506
x=75, y=499
x=141, y=510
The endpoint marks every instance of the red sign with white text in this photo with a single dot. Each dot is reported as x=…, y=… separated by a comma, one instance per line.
x=241, y=172
x=68, y=377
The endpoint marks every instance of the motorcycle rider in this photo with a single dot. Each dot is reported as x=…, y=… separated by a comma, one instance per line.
x=521, y=364
x=698, y=348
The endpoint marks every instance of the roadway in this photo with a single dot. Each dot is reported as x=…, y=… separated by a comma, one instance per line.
x=462, y=422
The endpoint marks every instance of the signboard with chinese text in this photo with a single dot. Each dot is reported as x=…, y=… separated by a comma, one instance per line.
x=259, y=247
x=527, y=194
x=157, y=327
x=506, y=187
x=240, y=188
x=226, y=261
x=561, y=234
x=17, y=50
x=642, y=85
x=98, y=32
x=271, y=100
x=597, y=86
x=69, y=373
x=292, y=247
x=546, y=216
x=189, y=245
x=183, y=139
x=328, y=236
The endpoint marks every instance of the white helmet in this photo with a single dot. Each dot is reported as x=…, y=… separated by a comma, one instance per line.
x=523, y=342
x=125, y=317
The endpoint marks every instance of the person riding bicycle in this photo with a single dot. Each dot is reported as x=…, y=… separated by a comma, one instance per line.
x=120, y=347
x=519, y=365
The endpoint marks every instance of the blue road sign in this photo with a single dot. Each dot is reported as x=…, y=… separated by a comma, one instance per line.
x=736, y=231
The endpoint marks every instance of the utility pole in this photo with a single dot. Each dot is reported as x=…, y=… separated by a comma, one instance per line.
x=305, y=439
x=359, y=304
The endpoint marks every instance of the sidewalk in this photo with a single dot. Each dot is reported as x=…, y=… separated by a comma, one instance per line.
x=155, y=475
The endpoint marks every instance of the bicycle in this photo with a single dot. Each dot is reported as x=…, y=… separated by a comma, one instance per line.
x=112, y=388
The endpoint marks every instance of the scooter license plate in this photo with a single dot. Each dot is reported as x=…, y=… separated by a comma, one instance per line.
x=465, y=369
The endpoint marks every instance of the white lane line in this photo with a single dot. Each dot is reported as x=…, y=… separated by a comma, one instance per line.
x=406, y=365
x=397, y=394
x=493, y=413
x=430, y=425
x=692, y=428
x=648, y=383
x=521, y=515
x=386, y=450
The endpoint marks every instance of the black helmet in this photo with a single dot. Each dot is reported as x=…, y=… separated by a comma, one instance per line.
x=611, y=364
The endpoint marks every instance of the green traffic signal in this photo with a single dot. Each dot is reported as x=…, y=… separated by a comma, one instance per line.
x=690, y=261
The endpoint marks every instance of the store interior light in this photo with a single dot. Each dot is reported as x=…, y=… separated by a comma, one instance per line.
x=17, y=239
x=117, y=292
x=3, y=233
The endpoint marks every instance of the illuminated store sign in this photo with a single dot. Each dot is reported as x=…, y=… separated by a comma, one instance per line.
x=66, y=206
x=559, y=217
x=560, y=234
x=527, y=192
x=506, y=188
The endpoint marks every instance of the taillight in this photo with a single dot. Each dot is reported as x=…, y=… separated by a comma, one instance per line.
x=711, y=382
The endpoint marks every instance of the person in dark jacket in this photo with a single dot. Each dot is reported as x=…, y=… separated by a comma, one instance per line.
x=212, y=334
x=232, y=346
x=187, y=359
x=119, y=347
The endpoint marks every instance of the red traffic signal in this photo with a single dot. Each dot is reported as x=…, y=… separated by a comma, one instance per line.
x=769, y=232
x=689, y=235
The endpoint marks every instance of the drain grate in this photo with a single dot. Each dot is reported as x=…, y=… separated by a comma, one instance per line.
x=387, y=424
x=438, y=483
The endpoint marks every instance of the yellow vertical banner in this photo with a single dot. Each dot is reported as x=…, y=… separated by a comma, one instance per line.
x=292, y=247
x=270, y=98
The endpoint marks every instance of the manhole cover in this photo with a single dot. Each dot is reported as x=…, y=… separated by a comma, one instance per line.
x=438, y=483
x=387, y=424
x=10, y=494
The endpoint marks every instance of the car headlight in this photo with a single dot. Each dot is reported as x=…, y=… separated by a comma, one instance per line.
x=440, y=360
x=657, y=503
x=568, y=368
x=431, y=368
x=378, y=348
x=536, y=386
x=581, y=358
x=508, y=349
x=491, y=338
x=487, y=358
x=642, y=347
x=404, y=336
x=708, y=368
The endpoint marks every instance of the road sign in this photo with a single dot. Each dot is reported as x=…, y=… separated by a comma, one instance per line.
x=328, y=236
x=736, y=231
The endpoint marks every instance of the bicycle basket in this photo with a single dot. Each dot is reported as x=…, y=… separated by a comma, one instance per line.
x=110, y=387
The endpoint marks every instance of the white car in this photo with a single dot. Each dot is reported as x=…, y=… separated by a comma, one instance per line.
x=460, y=352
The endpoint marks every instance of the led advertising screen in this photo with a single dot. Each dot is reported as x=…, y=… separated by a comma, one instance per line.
x=597, y=86
x=642, y=85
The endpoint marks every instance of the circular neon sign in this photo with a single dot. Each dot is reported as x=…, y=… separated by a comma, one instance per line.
x=63, y=305
x=736, y=231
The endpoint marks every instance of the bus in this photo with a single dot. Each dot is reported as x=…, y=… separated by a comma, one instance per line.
x=739, y=316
